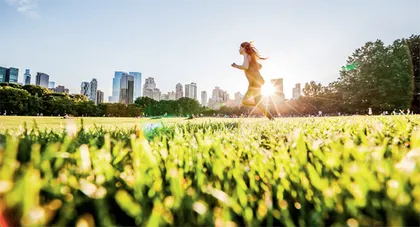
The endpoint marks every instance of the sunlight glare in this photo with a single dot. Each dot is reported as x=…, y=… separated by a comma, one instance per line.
x=267, y=90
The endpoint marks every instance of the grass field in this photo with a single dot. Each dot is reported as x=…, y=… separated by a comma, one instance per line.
x=348, y=171
x=13, y=123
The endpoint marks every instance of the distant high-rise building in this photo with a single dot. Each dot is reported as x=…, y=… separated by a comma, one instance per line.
x=149, y=88
x=156, y=94
x=85, y=89
x=12, y=75
x=171, y=95
x=61, y=89
x=89, y=89
x=42, y=79
x=9, y=75
x=178, y=91
x=218, y=98
x=204, y=98
x=126, y=89
x=3, y=74
x=93, y=89
x=296, y=92
x=99, y=97
x=238, y=98
x=116, y=86
x=191, y=91
x=27, y=77
x=164, y=97
x=137, y=84
x=51, y=84
x=278, y=96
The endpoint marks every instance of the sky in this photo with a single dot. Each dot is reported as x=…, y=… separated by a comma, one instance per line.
x=184, y=41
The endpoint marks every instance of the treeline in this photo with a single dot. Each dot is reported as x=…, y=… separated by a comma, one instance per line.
x=31, y=100
x=384, y=78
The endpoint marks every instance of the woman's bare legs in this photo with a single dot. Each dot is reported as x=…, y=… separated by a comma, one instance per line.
x=256, y=92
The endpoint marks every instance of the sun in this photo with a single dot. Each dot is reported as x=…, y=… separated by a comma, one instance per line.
x=267, y=90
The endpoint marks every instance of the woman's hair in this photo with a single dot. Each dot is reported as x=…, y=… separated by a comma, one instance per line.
x=252, y=51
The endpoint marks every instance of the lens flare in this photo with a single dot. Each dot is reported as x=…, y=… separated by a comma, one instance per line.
x=267, y=90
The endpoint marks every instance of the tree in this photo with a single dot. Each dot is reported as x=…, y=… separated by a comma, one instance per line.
x=144, y=102
x=36, y=90
x=12, y=100
x=413, y=44
x=381, y=81
x=78, y=97
x=188, y=106
x=312, y=89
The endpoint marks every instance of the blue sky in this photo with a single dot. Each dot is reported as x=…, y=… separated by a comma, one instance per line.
x=194, y=40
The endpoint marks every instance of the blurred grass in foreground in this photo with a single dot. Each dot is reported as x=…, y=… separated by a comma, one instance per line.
x=247, y=172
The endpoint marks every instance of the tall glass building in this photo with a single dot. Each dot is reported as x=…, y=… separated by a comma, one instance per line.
x=3, y=72
x=137, y=84
x=85, y=89
x=93, y=89
x=116, y=86
x=127, y=89
x=12, y=75
x=42, y=79
x=9, y=75
x=27, y=77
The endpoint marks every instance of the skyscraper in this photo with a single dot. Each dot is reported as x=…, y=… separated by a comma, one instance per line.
x=278, y=96
x=164, y=97
x=93, y=88
x=156, y=95
x=218, y=98
x=191, y=91
x=12, y=75
x=116, y=86
x=51, y=84
x=27, y=77
x=126, y=89
x=3, y=74
x=178, y=91
x=171, y=95
x=149, y=88
x=296, y=92
x=9, y=75
x=99, y=97
x=238, y=98
x=137, y=84
x=85, y=89
x=42, y=79
x=204, y=98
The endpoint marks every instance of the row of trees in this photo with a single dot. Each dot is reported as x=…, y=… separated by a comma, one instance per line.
x=385, y=78
x=35, y=100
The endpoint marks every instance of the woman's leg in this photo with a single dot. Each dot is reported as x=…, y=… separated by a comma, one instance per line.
x=247, y=96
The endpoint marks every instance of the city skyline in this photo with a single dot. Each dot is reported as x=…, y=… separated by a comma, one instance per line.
x=90, y=89
x=196, y=41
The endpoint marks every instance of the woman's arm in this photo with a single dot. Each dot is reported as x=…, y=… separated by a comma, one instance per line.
x=244, y=65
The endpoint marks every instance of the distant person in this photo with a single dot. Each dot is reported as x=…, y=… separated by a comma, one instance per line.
x=252, y=67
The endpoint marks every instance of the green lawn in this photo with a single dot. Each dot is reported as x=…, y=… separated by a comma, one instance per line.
x=14, y=122
x=339, y=171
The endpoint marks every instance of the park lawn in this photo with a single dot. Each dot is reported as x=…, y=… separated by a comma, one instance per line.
x=339, y=171
x=14, y=122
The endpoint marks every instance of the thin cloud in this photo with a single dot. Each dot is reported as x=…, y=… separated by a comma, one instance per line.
x=26, y=7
